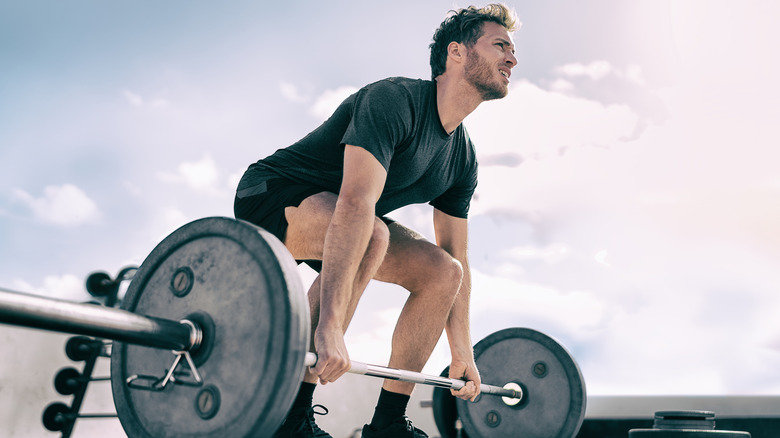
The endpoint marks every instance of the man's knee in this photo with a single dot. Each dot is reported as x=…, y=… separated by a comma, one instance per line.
x=452, y=272
x=443, y=273
x=380, y=240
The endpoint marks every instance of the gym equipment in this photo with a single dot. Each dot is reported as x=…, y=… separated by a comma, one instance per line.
x=685, y=424
x=225, y=298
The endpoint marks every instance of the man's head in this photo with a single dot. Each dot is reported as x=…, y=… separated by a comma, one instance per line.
x=465, y=26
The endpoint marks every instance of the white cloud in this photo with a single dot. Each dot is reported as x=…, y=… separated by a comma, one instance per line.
x=65, y=205
x=579, y=312
x=324, y=105
x=290, y=92
x=132, y=98
x=634, y=74
x=561, y=86
x=596, y=70
x=709, y=330
x=234, y=178
x=64, y=287
x=549, y=254
x=537, y=123
x=137, y=100
x=601, y=258
x=201, y=175
x=329, y=100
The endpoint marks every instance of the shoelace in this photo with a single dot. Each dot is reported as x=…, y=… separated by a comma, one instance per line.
x=310, y=417
x=410, y=427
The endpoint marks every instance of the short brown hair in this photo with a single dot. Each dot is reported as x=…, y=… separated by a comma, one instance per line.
x=465, y=26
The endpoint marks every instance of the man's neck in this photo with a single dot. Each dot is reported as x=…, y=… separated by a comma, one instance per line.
x=455, y=99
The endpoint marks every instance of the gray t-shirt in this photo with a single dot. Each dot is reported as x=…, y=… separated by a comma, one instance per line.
x=397, y=121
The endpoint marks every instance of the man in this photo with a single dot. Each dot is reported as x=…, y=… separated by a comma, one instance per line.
x=393, y=143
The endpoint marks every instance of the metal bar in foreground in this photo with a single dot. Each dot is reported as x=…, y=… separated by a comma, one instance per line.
x=414, y=377
x=92, y=320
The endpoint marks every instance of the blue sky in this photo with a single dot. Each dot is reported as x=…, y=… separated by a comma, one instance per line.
x=629, y=185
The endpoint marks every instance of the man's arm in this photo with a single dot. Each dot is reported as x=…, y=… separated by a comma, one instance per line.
x=452, y=236
x=346, y=242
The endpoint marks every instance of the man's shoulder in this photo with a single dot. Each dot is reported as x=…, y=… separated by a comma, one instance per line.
x=398, y=84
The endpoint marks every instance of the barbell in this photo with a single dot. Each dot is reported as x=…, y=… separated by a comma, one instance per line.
x=213, y=334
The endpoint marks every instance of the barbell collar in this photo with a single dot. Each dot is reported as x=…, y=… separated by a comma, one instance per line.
x=414, y=377
x=103, y=322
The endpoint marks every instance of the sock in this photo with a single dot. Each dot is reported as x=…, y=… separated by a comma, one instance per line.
x=390, y=406
x=303, y=400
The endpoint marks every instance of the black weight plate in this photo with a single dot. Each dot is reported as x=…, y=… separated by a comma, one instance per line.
x=554, y=398
x=68, y=381
x=445, y=412
x=242, y=285
x=57, y=416
x=80, y=348
x=657, y=433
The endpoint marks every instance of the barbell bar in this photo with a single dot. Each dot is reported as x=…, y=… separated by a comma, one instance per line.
x=185, y=335
x=92, y=320
x=513, y=395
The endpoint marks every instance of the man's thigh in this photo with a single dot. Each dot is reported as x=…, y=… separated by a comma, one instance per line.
x=264, y=203
x=307, y=225
x=411, y=259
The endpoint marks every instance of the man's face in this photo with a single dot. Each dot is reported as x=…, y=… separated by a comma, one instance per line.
x=490, y=61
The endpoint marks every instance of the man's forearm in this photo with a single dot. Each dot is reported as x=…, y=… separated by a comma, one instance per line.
x=458, y=324
x=345, y=245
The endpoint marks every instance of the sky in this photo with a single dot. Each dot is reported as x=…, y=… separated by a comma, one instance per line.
x=628, y=192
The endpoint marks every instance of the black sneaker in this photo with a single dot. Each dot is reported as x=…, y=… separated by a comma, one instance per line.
x=399, y=428
x=301, y=425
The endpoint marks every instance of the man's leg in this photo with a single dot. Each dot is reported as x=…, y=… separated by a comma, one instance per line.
x=433, y=279
x=308, y=224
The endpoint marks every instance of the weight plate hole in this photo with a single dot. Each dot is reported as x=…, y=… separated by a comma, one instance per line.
x=540, y=369
x=182, y=280
x=207, y=402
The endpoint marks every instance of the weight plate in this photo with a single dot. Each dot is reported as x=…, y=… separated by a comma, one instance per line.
x=685, y=424
x=554, y=399
x=445, y=412
x=57, y=417
x=68, y=381
x=80, y=348
x=657, y=433
x=242, y=286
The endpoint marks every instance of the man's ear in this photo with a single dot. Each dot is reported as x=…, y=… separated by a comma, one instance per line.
x=456, y=51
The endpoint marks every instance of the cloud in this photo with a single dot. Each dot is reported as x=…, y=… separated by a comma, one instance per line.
x=327, y=102
x=200, y=176
x=596, y=70
x=323, y=105
x=537, y=123
x=136, y=100
x=290, y=92
x=64, y=287
x=132, y=98
x=64, y=205
x=506, y=159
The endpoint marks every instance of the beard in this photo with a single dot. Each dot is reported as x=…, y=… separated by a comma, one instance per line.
x=482, y=76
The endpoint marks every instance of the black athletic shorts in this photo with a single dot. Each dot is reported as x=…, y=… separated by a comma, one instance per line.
x=264, y=204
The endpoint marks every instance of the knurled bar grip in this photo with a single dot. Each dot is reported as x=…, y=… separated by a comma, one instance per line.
x=102, y=322
x=414, y=377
